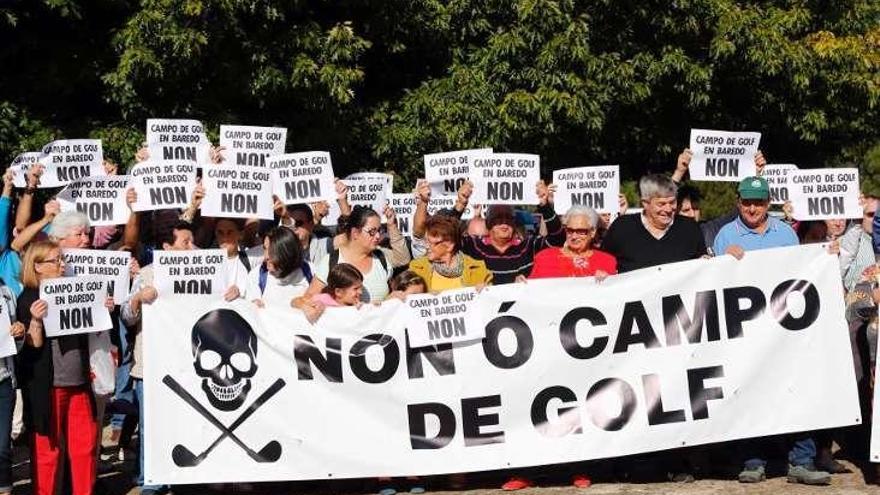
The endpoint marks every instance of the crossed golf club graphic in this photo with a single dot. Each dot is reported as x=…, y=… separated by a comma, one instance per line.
x=183, y=457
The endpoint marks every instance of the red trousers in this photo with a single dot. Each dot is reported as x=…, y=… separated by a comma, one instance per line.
x=73, y=421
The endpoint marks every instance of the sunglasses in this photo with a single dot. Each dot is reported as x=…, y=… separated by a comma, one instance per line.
x=581, y=232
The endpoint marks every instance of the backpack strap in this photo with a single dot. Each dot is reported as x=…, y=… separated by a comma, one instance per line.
x=242, y=256
x=377, y=253
x=334, y=259
x=307, y=271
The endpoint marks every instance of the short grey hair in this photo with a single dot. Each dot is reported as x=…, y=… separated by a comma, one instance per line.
x=64, y=223
x=583, y=211
x=656, y=186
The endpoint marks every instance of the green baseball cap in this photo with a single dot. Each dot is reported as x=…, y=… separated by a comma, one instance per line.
x=754, y=188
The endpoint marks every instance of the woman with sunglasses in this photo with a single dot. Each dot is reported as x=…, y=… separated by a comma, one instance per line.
x=54, y=377
x=577, y=257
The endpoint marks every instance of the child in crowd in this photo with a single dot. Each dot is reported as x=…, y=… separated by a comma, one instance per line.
x=344, y=287
x=405, y=283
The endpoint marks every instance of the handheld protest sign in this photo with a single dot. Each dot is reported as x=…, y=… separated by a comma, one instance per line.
x=102, y=199
x=178, y=139
x=160, y=185
x=76, y=305
x=404, y=206
x=723, y=156
x=824, y=194
x=596, y=187
x=303, y=177
x=437, y=203
x=778, y=178
x=505, y=178
x=447, y=171
x=200, y=272
x=251, y=145
x=7, y=343
x=110, y=265
x=20, y=165
x=70, y=159
x=235, y=191
x=449, y=317
x=369, y=189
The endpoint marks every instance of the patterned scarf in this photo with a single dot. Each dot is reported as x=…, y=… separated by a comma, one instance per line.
x=453, y=270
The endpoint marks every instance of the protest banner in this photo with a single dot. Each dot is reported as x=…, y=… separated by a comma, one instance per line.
x=596, y=187
x=723, y=156
x=199, y=272
x=101, y=198
x=505, y=178
x=76, y=305
x=20, y=165
x=777, y=176
x=446, y=318
x=689, y=353
x=237, y=191
x=178, y=139
x=825, y=193
x=112, y=266
x=162, y=184
x=67, y=160
x=404, y=206
x=7, y=343
x=447, y=171
x=303, y=177
x=251, y=145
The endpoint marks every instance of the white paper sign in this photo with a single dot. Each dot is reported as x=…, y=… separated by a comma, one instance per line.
x=437, y=203
x=449, y=317
x=7, y=343
x=369, y=189
x=596, y=187
x=777, y=176
x=178, y=139
x=76, y=305
x=303, y=177
x=21, y=164
x=70, y=159
x=825, y=193
x=235, y=191
x=162, y=184
x=723, y=156
x=251, y=145
x=447, y=171
x=101, y=198
x=404, y=206
x=110, y=265
x=505, y=178
x=200, y=272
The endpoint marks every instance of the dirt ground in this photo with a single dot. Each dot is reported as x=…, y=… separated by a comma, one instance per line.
x=116, y=479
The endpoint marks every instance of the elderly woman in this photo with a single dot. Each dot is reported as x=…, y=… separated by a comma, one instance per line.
x=576, y=258
x=444, y=267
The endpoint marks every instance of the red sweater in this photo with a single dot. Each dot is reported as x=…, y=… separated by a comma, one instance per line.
x=553, y=263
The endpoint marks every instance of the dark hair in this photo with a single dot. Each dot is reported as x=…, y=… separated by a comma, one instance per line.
x=342, y=276
x=239, y=222
x=406, y=279
x=444, y=227
x=357, y=219
x=306, y=209
x=167, y=237
x=689, y=193
x=285, y=250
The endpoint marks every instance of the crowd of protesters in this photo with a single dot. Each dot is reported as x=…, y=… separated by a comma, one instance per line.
x=297, y=263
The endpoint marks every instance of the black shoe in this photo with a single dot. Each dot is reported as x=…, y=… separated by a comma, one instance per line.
x=825, y=462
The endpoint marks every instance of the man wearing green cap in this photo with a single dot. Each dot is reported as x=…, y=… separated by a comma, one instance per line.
x=753, y=229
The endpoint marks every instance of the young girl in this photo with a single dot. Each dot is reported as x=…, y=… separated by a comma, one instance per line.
x=405, y=283
x=345, y=284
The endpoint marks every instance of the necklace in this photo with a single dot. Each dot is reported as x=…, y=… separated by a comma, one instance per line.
x=580, y=261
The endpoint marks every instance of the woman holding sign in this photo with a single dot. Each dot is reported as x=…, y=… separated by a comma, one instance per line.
x=444, y=267
x=54, y=379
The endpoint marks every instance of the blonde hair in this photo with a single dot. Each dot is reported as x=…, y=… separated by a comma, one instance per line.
x=37, y=251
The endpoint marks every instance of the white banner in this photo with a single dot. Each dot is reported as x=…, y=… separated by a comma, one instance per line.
x=251, y=145
x=70, y=159
x=450, y=317
x=201, y=272
x=110, y=265
x=178, y=139
x=235, y=191
x=723, y=156
x=303, y=177
x=447, y=171
x=825, y=193
x=160, y=185
x=569, y=370
x=20, y=165
x=7, y=343
x=777, y=176
x=102, y=199
x=505, y=178
x=76, y=305
x=596, y=187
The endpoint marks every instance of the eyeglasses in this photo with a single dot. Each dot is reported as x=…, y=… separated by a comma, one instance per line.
x=55, y=261
x=294, y=223
x=372, y=232
x=436, y=243
x=581, y=232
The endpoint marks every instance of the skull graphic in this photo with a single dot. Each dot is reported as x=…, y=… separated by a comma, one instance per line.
x=224, y=354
